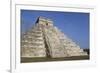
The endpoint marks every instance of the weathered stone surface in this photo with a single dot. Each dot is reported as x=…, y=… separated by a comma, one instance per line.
x=44, y=40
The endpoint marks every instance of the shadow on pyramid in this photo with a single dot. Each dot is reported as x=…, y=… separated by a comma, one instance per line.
x=44, y=40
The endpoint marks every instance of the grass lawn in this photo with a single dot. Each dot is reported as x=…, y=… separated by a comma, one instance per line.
x=46, y=59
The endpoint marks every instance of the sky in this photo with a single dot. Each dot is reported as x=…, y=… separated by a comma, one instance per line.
x=73, y=24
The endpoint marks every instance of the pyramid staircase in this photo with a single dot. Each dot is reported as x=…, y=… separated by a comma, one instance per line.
x=46, y=40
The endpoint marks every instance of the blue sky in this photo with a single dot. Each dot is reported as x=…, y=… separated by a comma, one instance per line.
x=74, y=24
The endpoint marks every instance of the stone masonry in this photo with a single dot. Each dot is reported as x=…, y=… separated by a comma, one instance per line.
x=46, y=40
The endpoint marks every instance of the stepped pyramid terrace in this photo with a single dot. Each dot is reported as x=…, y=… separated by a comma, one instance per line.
x=45, y=40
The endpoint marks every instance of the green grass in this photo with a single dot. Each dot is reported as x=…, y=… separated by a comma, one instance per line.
x=46, y=59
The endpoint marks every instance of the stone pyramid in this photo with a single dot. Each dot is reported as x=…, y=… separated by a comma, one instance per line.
x=46, y=40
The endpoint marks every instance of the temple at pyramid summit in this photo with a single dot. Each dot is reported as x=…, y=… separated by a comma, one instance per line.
x=44, y=39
